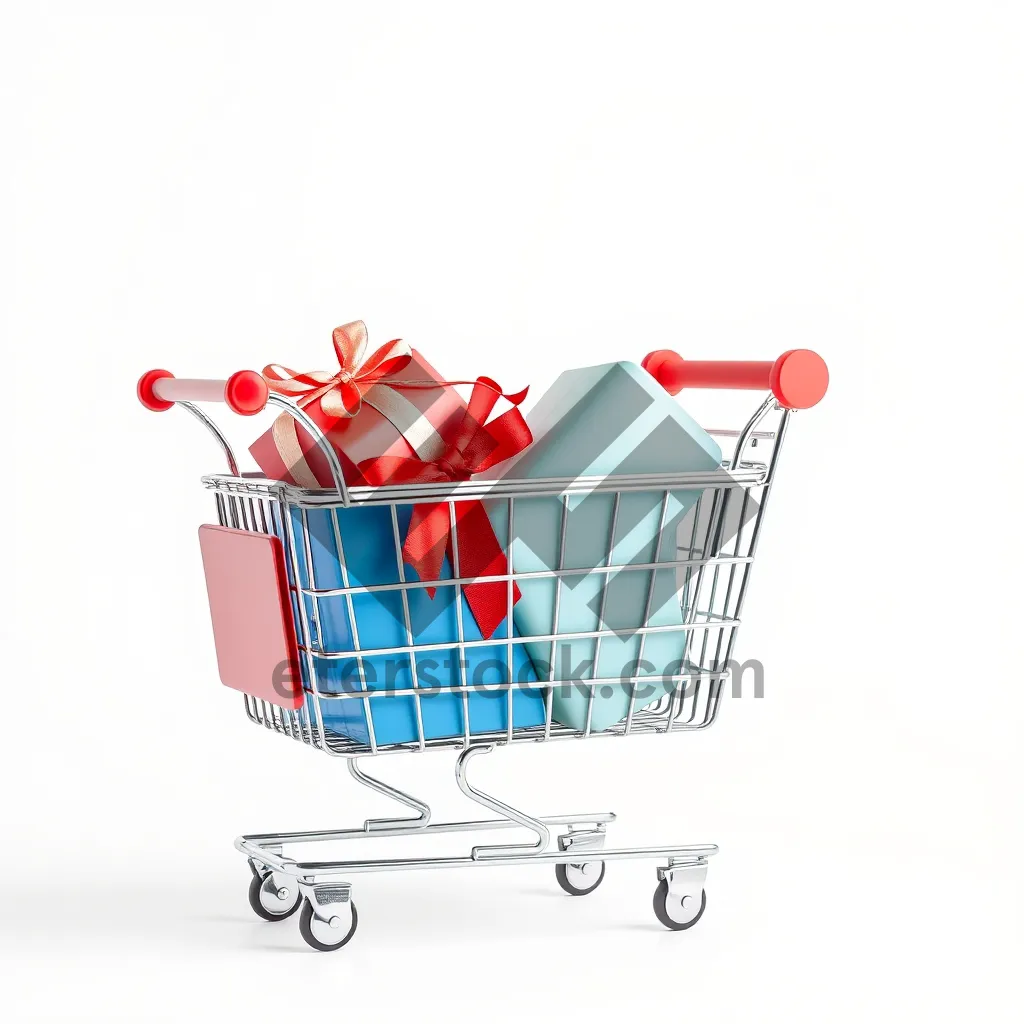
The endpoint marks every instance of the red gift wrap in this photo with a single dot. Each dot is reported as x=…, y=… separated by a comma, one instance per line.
x=362, y=413
x=392, y=420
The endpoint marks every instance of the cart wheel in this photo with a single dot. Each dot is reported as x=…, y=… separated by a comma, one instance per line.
x=675, y=912
x=270, y=902
x=580, y=879
x=324, y=935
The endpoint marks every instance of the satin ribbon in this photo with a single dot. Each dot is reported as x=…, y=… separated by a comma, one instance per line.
x=473, y=447
x=360, y=378
x=341, y=394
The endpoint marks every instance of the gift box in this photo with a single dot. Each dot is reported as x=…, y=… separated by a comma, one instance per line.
x=381, y=406
x=602, y=421
x=378, y=618
x=392, y=421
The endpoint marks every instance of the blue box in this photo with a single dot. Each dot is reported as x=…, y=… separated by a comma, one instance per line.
x=368, y=540
x=604, y=421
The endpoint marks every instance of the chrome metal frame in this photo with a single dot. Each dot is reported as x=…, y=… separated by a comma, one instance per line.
x=712, y=571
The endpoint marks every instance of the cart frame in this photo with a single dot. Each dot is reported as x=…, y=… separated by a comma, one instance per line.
x=712, y=581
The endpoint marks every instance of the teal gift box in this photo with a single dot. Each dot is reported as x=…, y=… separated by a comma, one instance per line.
x=376, y=619
x=601, y=421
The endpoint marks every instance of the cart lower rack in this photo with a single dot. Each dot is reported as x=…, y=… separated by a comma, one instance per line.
x=708, y=552
x=329, y=918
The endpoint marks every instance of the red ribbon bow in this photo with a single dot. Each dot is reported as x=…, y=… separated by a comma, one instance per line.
x=341, y=394
x=473, y=447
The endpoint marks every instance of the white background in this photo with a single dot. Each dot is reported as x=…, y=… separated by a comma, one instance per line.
x=517, y=189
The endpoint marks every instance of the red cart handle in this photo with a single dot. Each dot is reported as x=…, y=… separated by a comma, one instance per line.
x=798, y=378
x=244, y=392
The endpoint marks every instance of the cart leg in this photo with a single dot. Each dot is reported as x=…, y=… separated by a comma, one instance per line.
x=498, y=807
x=390, y=824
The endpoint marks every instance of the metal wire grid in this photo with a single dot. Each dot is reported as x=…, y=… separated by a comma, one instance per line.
x=715, y=550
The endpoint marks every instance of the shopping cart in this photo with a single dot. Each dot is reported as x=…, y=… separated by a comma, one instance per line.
x=712, y=569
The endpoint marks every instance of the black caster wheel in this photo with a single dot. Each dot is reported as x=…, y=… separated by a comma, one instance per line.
x=580, y=879
x=273, y=903
x=675, y=912
x=327, y=935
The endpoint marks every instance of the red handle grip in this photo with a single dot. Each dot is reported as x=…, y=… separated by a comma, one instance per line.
x=798, y=378
x=244, y=392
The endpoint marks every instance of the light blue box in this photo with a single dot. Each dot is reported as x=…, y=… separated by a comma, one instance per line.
x=368, y=540
x=602, y=421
